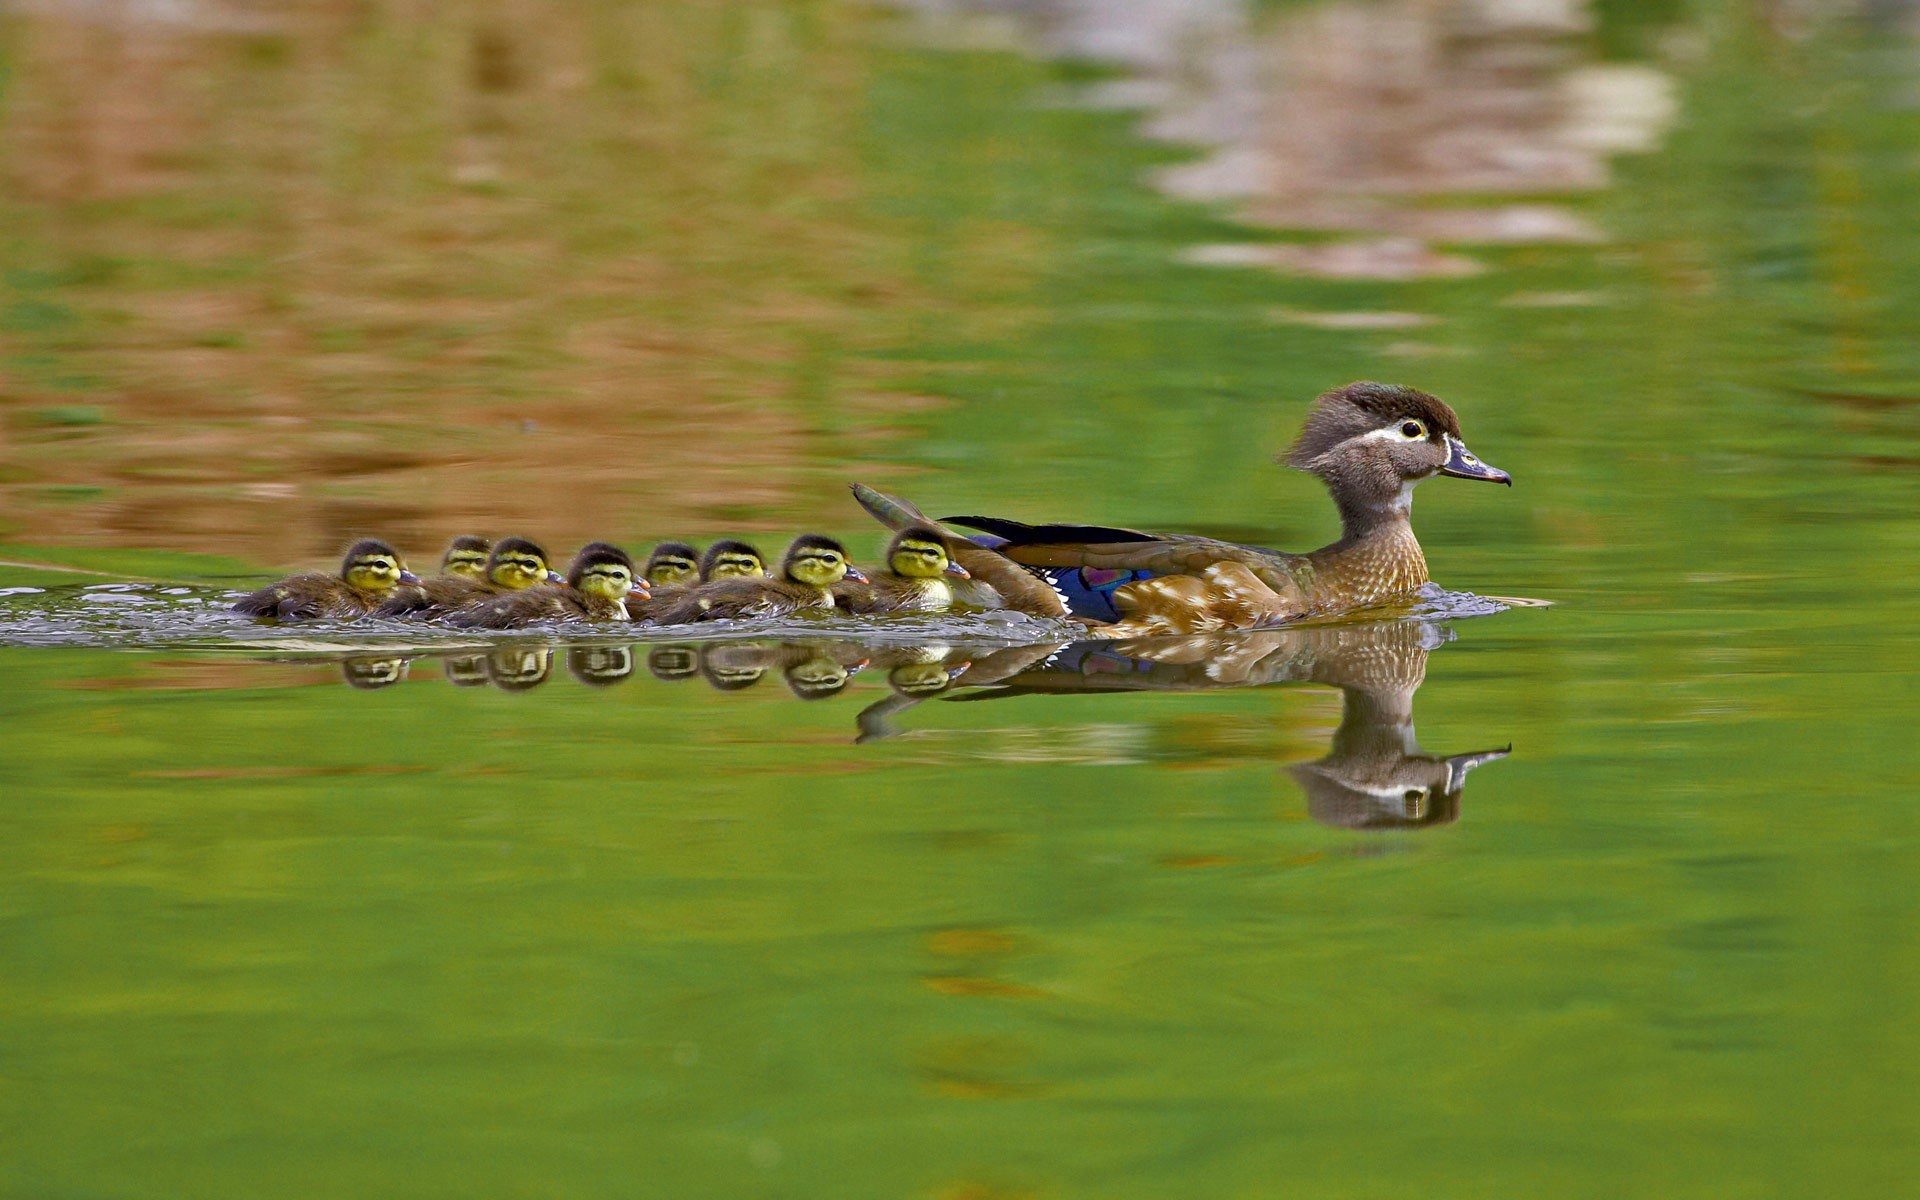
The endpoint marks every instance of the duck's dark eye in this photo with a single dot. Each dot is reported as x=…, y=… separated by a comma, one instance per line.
x=1413, y=429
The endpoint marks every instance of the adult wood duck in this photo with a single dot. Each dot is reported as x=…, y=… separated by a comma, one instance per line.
x=811, y=567
x=596, y=589
x=369, y=575
x=1370, y=443
x=514, y=564
x=919, y=577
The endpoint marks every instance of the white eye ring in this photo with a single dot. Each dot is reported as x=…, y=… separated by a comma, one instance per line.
x=1413, y=431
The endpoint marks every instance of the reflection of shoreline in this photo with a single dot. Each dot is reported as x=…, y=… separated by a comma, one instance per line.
x=1341, y=117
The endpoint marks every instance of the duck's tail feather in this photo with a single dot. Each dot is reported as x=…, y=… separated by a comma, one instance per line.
x=890, y=511
x=997, y=580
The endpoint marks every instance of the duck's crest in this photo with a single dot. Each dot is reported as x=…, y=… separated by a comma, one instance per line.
x=1358, y=407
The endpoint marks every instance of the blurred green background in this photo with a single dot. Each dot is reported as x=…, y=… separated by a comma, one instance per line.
x=278, y=276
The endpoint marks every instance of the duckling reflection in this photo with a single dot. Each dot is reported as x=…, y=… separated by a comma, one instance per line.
x=733, y=666
x=466, y=670
x=371, y=674
x=673, y=663
x=600, y=666
x=811, y=670
x=919, y=673
x=816, y=670
x=519, y=668
x=1375, y=774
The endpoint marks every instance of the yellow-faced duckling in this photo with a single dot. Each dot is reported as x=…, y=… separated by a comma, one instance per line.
x=812, y=566
x=1370, y=443
x=368, y=576
x=671, y=567
x=514, y=565
x=918, y=577
x=993, y=580
x=465, y=559
x=467, y=555
x=596, y=590
x=727, y=559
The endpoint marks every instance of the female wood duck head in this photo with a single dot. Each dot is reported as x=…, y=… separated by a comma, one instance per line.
x=604, y=572
x=818, y=562
x=729, y=560
x=517, y=563
x=466, y=555
x=374, y=567
x=673, y=564
x=1372, y=442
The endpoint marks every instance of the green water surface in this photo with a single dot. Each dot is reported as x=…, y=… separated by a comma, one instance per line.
x=264, y=934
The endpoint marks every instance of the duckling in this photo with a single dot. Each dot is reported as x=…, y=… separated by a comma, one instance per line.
x=671, y=568
x=672, y=564
x=597, y=586
x=730, y=560
x=466, y=555
x=993, y=580
x=811, y=567
x=369, y=574
x=514, y=565
x=466, y=558
x=916, y=579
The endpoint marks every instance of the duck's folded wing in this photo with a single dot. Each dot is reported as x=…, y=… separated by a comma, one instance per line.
x=1107, y=549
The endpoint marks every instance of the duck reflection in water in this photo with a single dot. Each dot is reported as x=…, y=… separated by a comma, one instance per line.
x=466, y=670
x=1375, y=774
x=519, y=668
x=600, y=666
x=671, y=664
x=369, y=674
